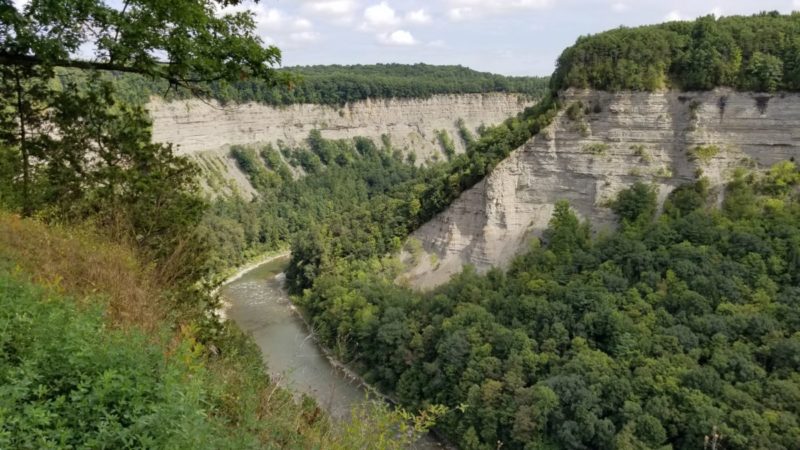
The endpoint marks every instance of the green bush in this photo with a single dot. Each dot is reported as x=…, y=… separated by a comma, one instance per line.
x=447, y=144
x=703, y=153
x=597, y=148
x=636, y=204
x=68, y=382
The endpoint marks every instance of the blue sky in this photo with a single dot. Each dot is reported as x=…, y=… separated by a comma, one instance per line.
x=513, y=37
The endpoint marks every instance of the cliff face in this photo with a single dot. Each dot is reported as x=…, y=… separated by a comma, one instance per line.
x=593, y=150
x=207, y=130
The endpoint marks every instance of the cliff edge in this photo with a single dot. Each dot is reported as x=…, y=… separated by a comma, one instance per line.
x=206, y=130
x=599, y=144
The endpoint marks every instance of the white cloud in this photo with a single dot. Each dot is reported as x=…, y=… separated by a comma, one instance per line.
x=399, y=37
x=676, y=15
x=276, y=27
x=421, y=17
x=619, y=7
x=796, y=4
x=302, y=24
x=380, y=15
x=475, y=9
x=263, y=17
x=460, y=13
x=339, y=11
x=304, y=36
x=270, y=18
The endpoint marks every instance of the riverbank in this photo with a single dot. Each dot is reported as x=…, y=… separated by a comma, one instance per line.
x=261, y=306
x=238, y=272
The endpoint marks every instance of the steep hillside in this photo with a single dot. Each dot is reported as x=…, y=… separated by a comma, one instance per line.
x=83, y=319
x=600, y=144
x=207, y=130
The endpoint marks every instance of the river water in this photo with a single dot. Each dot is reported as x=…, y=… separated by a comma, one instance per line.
x=260, y=305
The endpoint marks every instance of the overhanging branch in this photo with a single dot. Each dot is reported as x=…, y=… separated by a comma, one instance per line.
x=9, y=59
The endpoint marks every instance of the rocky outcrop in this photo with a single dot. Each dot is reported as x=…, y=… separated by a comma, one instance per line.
x=591, y=151
x=209, y=129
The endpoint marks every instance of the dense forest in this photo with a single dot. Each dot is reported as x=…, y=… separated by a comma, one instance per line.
x=331, y=85
x=338, y=176
x=650, y=337
x=757, y=53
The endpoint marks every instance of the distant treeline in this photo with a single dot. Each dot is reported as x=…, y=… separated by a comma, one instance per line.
x=756, y=53
x=337, y=85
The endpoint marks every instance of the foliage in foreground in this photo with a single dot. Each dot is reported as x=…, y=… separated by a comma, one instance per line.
x=649, y=337
x=94, y=354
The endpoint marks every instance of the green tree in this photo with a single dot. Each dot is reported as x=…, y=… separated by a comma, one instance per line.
x=565, y=232
x=636, y=204
x=764, y=73
x=82, y=153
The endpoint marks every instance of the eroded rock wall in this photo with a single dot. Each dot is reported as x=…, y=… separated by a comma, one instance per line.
x=588, y=155
x=209, y=129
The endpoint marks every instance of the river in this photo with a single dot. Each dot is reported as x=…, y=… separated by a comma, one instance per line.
x=259, y=304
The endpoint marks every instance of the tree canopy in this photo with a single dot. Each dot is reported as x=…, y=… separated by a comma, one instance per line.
x=669, y=330
x=757, y=53
x=335, y=85
x=186, y=42
x=72, y=151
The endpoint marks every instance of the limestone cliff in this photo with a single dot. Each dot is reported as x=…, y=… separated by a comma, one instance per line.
x=599, y=144
x=207, y=130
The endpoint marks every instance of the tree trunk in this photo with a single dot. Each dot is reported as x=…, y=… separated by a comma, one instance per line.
x=27, y=206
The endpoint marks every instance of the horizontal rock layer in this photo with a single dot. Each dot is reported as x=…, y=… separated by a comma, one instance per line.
x=199, y=128
x=586, y=158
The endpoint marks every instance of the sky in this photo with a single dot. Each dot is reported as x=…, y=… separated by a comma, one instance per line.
x=511, y=37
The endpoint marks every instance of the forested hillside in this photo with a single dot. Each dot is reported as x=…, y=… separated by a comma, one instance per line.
x=645, y=338
x=99, y=350
x=758, y=53
x=331, y=85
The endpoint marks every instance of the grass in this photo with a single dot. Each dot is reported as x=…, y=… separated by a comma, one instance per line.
x=75, y=307
x=596, y=148
x=703, y=153
x=76, y=262
x=641, y=152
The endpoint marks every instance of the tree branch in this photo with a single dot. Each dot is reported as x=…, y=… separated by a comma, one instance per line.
x=9, y=59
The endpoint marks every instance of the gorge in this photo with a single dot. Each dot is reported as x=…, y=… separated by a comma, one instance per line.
x=608, y=258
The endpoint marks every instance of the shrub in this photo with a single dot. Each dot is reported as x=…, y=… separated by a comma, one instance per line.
x=598, y=148
x=448, y=146
x=703, y=153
